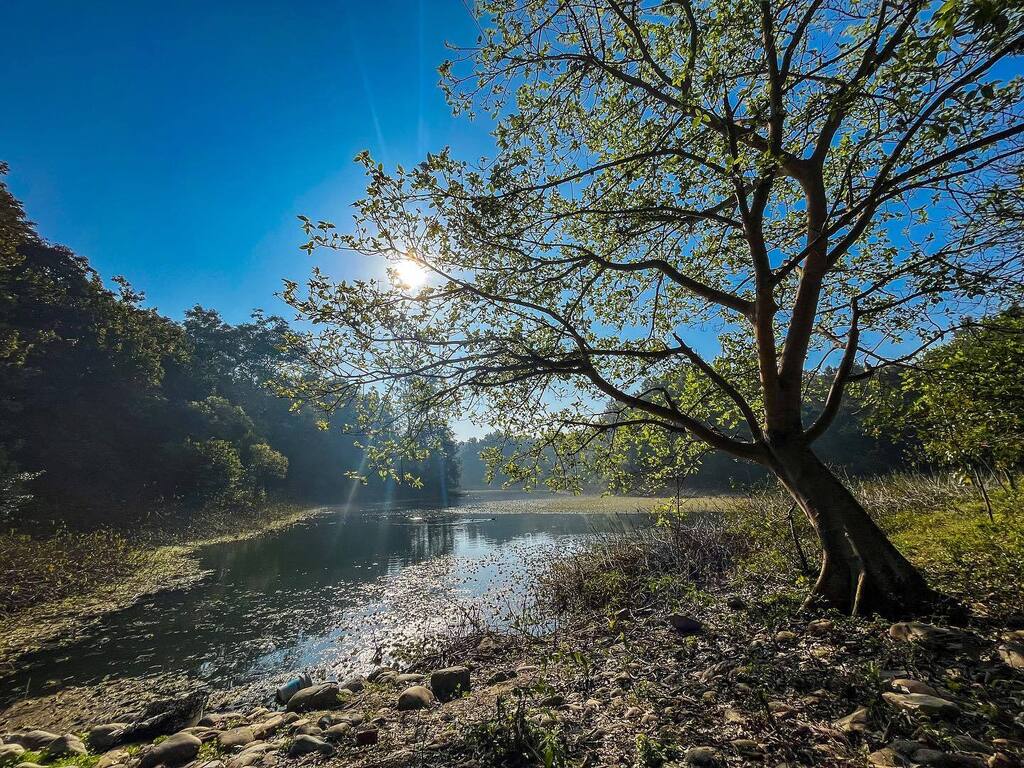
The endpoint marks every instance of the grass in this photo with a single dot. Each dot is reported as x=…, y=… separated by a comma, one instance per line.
x=762, y=540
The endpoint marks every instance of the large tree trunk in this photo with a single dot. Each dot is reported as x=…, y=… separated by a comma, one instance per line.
x=861, y=571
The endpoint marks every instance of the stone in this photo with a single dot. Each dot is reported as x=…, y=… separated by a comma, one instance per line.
x=367, y=737
x=65, y=746
x=306, y=744
x=11, y=752
x=379, y=672
x=309, y=729
x=703, y=757
x=487, y=645
x=112, y=758
x=450, y=683
x=501, y=676
x=356, y=683
x=236, y=737
x=32, y=739
x=922, y=703
x=855, y=722
x=103, y=737
x=966, y=743
x=1012, y=655
x=416, y=697
x=267, y=727
x=340, y=732
x=785, y=636
x=684, y=625
x=820, y=627
x=350, y=718
x=886, y=757
x=734, y=717
x=410, y=677
x=933, y=637
x=323, y=696
x=907, y=685
x=1002, y=760
x=178, y=749
x=747, y=748
x=927, y=756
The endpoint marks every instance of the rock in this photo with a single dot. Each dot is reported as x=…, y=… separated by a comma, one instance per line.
x=366, y=737
x=820, y=627
x=1002, y=760
x=907, y=685
x=785, y=636
x=416, y=697
x=376, y=674
x=65, y=746
x=1012, y=655
x=780, y=709
x=111, y=758
x=734, y=717
x=350, y=718
x=103, y=737
x=306, y=744
x=160, y=718
x=340, y=732
x=855, y=722
x=933, y=637
x=927, y=756
x=356, y=683
x=886, y=757
x=178, y=749
x=410, y=677
x=501, y=676
x=9, y=753
x=922, y=703
x=450, y=683
x=703, y=757
x=747, y=748
x=267, y=727
x=33, y=739
x=309, y=729
x=684, y=625
x=236, y=737
x=323, y=696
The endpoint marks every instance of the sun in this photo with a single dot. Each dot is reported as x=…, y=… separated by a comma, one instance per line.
x=410, y=273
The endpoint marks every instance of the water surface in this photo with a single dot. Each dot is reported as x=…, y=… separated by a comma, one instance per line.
x=330, y=595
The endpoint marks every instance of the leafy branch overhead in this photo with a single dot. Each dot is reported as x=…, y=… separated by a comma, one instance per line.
x=811, y=183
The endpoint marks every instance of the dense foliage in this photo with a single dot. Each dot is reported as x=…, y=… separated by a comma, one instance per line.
x=111, y=412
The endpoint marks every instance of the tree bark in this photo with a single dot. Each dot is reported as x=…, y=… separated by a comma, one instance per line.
x=861, y=571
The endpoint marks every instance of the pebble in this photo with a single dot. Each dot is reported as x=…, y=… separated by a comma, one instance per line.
x=178, y=749
x=704, y=757
x=236, y=737
x=305, y=744
x=923, y=703
x=450, y=683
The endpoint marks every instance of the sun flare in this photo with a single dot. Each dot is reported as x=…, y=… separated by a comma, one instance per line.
x=410, y=273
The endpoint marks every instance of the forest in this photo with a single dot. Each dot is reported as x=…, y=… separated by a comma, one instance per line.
x=113, y=414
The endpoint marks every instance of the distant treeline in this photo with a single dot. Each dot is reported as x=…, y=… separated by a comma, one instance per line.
x=110, y=411
x=957, y=407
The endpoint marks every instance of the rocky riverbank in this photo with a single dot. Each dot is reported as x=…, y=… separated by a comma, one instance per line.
x=741, y=684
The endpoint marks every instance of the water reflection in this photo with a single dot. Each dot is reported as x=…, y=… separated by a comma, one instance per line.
x=332, y=594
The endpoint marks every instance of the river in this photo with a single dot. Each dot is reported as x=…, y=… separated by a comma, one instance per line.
x=336, y=593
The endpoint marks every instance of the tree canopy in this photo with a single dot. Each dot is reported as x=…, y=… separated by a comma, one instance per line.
x=693, y=205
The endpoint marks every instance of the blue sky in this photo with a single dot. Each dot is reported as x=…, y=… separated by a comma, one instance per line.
x=174, y=143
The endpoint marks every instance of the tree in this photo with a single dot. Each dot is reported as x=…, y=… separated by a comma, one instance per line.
x=810, y=182
x=964, y=401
